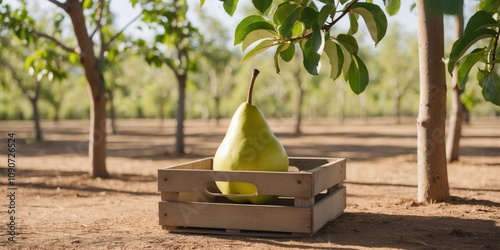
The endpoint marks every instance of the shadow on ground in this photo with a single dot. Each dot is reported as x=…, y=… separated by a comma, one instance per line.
x=354, y=230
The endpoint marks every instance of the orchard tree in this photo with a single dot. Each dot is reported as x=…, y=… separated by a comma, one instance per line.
x=396, y=77
x=90, y=20
x=10, y=56
x=175, y=39
x=30, y=67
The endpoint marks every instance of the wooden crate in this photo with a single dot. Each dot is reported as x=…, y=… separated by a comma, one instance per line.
x=310, y=195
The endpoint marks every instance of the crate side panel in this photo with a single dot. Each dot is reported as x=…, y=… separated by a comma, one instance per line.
x=328, y=175
x=296, y=184
x=236, y=216
x=329, y=208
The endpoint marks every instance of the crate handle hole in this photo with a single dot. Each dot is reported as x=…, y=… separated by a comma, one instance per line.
x=244, y=189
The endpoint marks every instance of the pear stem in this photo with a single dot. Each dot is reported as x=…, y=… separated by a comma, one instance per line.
x=250, y=89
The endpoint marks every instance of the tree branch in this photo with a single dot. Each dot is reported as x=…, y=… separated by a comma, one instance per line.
x=106, y=45
x=98, y=19
x=494, y=53
x=63, y=6
x=99, y=27
x=54, y=40
x=326, y=26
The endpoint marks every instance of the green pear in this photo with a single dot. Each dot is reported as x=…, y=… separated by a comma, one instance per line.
x=249, y=145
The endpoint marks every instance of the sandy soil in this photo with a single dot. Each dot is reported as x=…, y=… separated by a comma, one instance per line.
x=59, y=207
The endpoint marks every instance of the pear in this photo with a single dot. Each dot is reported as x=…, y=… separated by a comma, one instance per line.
x=249, y=145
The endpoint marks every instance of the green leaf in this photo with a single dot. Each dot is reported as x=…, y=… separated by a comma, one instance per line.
x=249, y=24
x=358, y=75
x=393, y=7
x=489, y=6
x=353, y=20
x=479, y=20
x=261, y=47
x=287, y=52
x=312, y=69
x=230, y=6
x=374, y=18
x=257, y=35
x=87, y=4
x=74, y=58
x=325, y=12
x=284, y=10
x=202, y=2
x=298, y=29
x=491, y=88
x=262, y=5
x=347, y=61
x=309, y=17
x=276, y=59
x=349, y=43
x=470, y=100
x=468, y=62
x=336, y=57
x=461, y=45
x=286, y=27
x=313, y=47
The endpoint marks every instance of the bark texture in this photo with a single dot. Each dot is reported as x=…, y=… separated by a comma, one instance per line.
x=432, y=168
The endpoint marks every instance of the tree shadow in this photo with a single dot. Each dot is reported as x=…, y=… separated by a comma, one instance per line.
x=373, y=230
x=415, y=186
x=86, y=188
x=80, y=175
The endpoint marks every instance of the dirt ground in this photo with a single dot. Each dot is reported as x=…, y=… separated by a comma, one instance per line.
x=59, y=207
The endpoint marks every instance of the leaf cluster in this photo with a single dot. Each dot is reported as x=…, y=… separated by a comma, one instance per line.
x=306, y=25
x=483, y=26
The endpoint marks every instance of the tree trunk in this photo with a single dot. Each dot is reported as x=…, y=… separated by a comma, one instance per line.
x=398, y=109
x=179, y=134
x=297, y=116
x=396, y=94
x=36, y=120
x=214, y=90
x=341, y=102
x=95, y=80
x=36, y=113
x=112, y=113
x=217, y=110
x=161, y=109
x=432, y=169
x=57, y=109
x=457, y=108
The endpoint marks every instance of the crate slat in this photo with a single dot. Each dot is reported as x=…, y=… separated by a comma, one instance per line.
x=328, y=209
x=328, y=175
x=236, y=216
